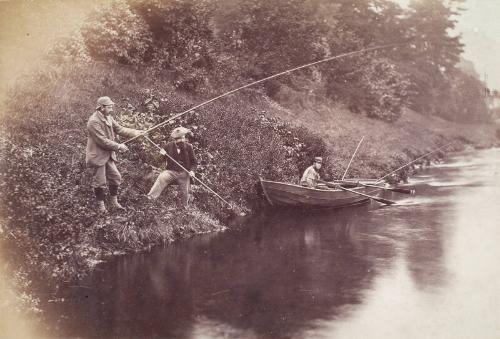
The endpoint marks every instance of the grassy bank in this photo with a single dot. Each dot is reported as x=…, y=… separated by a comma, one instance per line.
x=386, y=146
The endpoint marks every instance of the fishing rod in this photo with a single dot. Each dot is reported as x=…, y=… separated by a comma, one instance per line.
x=359, y=144
x=411, y=162
x=163, y=152
x=259, y=81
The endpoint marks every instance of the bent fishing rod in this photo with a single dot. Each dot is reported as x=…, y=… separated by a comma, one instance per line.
x=163, y=152
x=368, y=49
x=411, y=162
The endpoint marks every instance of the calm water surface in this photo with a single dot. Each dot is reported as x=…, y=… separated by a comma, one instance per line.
x=428, y=267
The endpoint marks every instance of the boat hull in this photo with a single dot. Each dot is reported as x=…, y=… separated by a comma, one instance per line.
x=291, y=195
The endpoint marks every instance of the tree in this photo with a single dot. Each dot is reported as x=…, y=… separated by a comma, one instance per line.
x=433, y=51
x=115, y=33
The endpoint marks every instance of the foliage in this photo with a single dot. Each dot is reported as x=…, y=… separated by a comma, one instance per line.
x=115, y=33
x=386, y=90
x=464, y=99
x=268, y=37
x=376, y=87
x=182, y=38
x=202, y=45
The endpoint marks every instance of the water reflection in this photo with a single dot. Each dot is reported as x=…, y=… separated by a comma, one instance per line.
x=271, y=279
x=460, y=246
x=342, y=273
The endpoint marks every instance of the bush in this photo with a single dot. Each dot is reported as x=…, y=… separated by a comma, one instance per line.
x=374, y=86
x=115, y=33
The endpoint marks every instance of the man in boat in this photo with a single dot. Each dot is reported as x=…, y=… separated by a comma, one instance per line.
x=311, y=176
x=100, y=154
x=181, y=163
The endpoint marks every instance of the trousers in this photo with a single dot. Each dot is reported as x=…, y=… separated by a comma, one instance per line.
x=166, y=178
x=106, y=174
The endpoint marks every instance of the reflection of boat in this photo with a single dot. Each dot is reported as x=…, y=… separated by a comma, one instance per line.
x=292, y=195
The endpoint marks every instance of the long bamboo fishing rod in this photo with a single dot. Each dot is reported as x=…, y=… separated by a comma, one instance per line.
x=259, y=81
x=359, y=144
x=411, y=162
x=183, y=168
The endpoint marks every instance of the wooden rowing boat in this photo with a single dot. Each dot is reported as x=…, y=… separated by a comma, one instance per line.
x=292, y=195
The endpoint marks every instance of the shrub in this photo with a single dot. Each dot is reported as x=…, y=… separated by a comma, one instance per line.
x=115, y=33
x=374, y=86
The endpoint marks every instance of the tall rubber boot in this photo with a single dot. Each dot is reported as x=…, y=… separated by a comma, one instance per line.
x=99, y=194
x=115, y=204
x=113, y=192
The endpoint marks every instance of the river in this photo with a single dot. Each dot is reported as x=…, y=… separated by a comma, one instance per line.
x=428, y=267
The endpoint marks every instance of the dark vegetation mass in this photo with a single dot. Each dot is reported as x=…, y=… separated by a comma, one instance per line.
x=158, y=58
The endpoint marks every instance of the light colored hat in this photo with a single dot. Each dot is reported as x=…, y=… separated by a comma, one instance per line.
x=318, y=159
x=104, y=101
x=179, y=132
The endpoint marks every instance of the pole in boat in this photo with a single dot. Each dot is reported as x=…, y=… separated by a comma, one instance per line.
x=359, y=183
x=383, y=201
x=352, y=157
x=259, y=81
x=392, y=189
x=399, y=190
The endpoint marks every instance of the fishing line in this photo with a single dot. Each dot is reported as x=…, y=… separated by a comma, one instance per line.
x=262, y=80
x=423, y=156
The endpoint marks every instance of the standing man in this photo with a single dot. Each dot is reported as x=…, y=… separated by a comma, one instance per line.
x=101, y=152
x=182, y=154
x=311, y=176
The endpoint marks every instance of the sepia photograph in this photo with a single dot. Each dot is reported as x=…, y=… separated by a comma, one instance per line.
x=250, y=169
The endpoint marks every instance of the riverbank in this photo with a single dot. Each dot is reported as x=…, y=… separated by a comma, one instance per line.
x=386, y=147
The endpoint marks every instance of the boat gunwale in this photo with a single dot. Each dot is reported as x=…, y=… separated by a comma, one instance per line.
x=269, y=193
x=310, y=188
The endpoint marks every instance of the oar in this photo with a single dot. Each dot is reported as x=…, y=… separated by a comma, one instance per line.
x=392, y=189
x=381, y=200
x=194, y=177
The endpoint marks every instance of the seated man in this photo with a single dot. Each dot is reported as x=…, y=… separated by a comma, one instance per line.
x=311, y=176
x=182, y=152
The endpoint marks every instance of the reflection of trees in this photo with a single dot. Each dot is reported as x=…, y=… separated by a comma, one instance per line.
x=296, y=274
x=272, y=278
x=425, y=252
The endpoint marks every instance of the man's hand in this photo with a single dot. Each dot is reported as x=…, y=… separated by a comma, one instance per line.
x=122, y=148
x=163, y=152
x=191, y=174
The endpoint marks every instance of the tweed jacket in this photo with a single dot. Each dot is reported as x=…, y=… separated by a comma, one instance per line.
x=101, y=144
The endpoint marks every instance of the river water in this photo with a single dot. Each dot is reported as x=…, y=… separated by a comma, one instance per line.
x=428, y=267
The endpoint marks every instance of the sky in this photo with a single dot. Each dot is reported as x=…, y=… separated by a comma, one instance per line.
x=480, y=28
